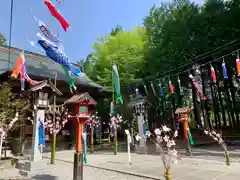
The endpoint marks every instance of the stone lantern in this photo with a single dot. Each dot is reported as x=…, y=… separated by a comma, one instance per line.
x=139, y=105
x=40, y=95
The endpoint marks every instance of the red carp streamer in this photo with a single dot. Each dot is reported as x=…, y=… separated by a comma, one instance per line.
x=213, y=74
x=171, y=88
x=55, y=13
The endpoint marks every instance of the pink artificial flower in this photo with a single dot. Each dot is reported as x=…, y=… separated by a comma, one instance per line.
x=166, y=129
x=157, y=131
x=175, y=134
x=148, y=133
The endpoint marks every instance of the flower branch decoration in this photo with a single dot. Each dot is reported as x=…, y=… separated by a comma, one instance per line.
x=164, y=139
x=61, y=118
x=218, y=138
x=115, y=121
x=4, y=128
x=93, y=121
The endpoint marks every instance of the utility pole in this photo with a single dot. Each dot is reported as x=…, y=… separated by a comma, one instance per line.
x=54, y=134
x=10, y=34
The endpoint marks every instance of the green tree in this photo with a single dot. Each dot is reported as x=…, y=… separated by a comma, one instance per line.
x=180, y=30
x=116, y=30
x=170, y=35
x=10, y=104
x=125, y=49
x=3, y=40
x=87, y=65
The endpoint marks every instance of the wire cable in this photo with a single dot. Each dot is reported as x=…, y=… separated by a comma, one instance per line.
x=197, y=59
x=140, y=81
x=206, y=55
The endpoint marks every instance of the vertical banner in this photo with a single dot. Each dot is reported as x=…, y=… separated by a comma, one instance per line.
x=41, y=129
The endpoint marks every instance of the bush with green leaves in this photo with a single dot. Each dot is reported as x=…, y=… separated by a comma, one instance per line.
x=10, y=104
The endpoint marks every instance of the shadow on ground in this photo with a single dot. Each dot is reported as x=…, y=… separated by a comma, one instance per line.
x=44, y=177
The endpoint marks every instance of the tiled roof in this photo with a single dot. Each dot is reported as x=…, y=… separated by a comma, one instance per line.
x=39, y=65
x=46, y=83
x=78, y=98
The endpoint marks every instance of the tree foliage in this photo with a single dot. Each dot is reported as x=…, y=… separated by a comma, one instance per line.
x=180, y=30
x=124, y=48
x=10, y=104
x=3, y=40
x=116, y=30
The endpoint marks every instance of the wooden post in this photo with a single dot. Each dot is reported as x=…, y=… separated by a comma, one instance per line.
x=54, y=125
x=78, y=155
x=92, y=139
x=115, y=141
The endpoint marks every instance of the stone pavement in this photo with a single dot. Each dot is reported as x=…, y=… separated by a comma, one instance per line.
x=151, y=166
x=106, y=166
x=64, y=171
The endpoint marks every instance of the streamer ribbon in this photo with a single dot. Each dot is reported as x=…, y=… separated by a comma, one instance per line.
x=46, y=32
x=144, y=128
x=238, y=66
x=71, y=80
x=145, y=89
x=171, y=87
x=160, y=90
x=224, y=70
x=190, y=137
x=197, y=86
x=180, y=87
x=213, y=74
x=153, y=89
x=18, y=65
x=22, y=77
x=84, y=136
x=19, y=68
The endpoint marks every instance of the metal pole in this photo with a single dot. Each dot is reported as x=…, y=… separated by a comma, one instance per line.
x=10, y=34
x=54, y=125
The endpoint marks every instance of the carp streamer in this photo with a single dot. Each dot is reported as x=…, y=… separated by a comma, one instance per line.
x=55, y=13
x=197, y=86
x=20, y=69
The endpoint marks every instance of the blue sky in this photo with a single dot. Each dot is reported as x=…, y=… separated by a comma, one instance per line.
x=89, y=19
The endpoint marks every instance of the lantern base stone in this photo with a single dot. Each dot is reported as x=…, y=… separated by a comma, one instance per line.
x=30, y=168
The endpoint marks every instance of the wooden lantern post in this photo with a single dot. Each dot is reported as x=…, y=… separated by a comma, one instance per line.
x=78, y=107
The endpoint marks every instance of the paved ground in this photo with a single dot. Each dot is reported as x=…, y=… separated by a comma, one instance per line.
x=106, y=166
x=151, y=166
